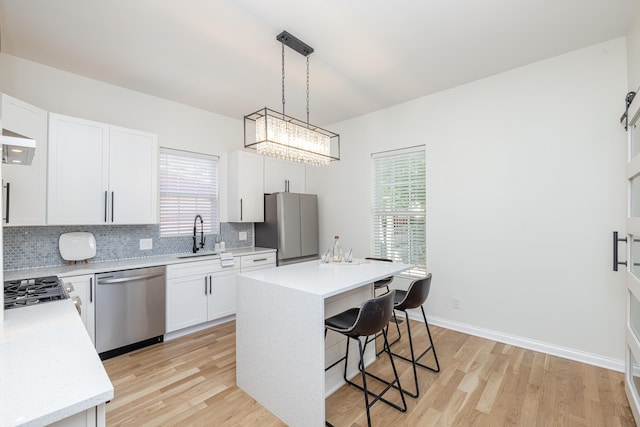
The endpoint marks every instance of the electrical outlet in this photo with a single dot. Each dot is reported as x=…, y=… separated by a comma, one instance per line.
x=146, y=244
x=455, y=302
x=242, y=235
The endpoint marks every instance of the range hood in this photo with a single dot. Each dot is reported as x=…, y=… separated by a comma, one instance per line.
x=17, y=149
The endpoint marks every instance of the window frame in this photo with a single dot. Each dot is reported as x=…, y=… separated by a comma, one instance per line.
x=385, y=244
x=184, y=226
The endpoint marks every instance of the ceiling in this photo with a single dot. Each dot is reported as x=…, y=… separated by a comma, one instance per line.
x=222, y=55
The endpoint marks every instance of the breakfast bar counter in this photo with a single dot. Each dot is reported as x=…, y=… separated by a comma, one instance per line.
x=280, y=345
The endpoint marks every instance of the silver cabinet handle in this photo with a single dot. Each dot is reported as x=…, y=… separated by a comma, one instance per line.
x=105, y=205
x=112, y=201
x=127, y=279
x=210, y=280
x=259, y=259
x=91, y=289
x=205, y=285
x=240, y=209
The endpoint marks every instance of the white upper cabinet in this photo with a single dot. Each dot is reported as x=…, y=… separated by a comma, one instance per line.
x=278, y=173
x=100, y=174
x=78, y=171
x=133, y=177
x=25, y=187
x=245, y=200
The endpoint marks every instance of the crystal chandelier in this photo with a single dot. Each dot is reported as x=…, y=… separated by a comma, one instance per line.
x=282, y=136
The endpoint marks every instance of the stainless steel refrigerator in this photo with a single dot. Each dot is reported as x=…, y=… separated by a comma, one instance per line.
x=290, y=226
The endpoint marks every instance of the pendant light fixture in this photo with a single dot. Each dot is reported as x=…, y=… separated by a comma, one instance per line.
x=277, y=135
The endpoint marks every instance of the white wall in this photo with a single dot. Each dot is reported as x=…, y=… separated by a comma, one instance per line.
x=633, y=53
x=525, y=184
x=177, y=125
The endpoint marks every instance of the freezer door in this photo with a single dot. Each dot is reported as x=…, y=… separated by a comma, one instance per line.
x=267, y=231
x=288, y=225
x=309, y=224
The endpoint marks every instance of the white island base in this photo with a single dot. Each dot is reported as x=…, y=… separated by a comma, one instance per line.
x=281, y=352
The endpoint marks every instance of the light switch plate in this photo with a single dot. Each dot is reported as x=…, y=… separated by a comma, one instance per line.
x=242, y=235
x=146, y=244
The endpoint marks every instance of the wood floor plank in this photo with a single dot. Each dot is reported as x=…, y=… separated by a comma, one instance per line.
x=190, y=381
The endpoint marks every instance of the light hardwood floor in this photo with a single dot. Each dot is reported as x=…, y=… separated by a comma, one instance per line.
x=191, y=381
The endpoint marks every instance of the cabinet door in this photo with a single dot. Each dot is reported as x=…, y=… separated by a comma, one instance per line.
x=186, y=301
x=27, y=184
x=277, y=171
x=133, y=177
x=78, y=171
x=246, y=187
x=83, y=288
x=222, y=299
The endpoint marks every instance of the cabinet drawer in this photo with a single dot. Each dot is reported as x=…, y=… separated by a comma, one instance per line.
x=266, y=260
x=198, y=268
x=187, y=269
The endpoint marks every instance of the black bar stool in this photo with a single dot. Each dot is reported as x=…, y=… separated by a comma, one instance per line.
x=372, y=317
x=414, y=297
x=384, y=284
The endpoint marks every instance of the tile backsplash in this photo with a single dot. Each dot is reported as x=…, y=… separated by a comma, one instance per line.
x=32, y=247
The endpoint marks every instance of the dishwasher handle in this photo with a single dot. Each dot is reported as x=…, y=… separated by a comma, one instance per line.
x=105, y=281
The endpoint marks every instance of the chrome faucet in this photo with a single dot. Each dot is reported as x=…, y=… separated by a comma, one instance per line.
x=197, y=247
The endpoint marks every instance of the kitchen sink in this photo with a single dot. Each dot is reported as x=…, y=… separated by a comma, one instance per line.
x=197, y=255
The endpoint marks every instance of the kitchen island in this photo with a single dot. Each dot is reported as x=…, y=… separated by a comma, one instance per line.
x=281, y=351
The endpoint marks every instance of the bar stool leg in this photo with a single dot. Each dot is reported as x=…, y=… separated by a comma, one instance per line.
x=393, y=384
x=364, y=381
x=415, y=360
x=431, y=346
x=379, y=334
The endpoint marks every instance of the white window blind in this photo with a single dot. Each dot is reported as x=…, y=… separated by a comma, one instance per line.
x=399, y=207
x=188, y=187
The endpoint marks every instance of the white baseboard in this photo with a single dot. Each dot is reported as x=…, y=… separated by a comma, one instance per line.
x=552, y=349
x=191, y=329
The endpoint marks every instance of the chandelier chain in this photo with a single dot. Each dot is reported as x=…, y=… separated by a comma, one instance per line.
x=307, y=90
x=283, y=78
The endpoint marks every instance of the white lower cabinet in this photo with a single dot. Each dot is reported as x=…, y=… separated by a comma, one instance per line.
x=200, y=291
x=83, y=288
x=92, y=417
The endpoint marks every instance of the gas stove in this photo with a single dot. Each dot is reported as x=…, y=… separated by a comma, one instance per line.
x=25, y=292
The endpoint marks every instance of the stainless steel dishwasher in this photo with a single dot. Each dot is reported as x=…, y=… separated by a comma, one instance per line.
x=130, y=310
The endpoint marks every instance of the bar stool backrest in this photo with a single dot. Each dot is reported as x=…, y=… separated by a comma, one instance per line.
x=382, y=282
x=373, y=316
x=416, y=295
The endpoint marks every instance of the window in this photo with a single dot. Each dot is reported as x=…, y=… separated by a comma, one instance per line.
x=399, y=207
x=188, y=187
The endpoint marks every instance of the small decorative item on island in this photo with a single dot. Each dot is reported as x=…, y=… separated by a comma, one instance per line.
x=337, y=255
x=348, y=257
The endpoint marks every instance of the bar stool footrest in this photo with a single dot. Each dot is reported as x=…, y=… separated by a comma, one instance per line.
x=377, y=397
x=437, y=369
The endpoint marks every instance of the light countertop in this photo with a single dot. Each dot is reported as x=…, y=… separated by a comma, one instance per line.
x=330, y=279
x=105, y=266
x=49, y=369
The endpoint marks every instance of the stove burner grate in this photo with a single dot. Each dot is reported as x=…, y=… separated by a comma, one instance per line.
x=21, y=293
